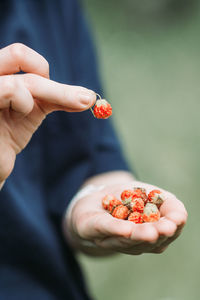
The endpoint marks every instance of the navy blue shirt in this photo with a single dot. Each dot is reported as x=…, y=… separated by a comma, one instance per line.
x=35, y=260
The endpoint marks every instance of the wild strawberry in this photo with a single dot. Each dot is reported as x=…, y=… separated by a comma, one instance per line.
x=120, y=212
x=135, y=217
x=126, y=196
x=156, y=197
x=113, y=203
x=140, y=193
x=106, y=200
x=137, y=204
x=151, y=213
x=102, y=109
x=109, y=202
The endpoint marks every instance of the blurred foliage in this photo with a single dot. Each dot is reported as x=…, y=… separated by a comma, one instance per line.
x=142, y=13
x=150, y=65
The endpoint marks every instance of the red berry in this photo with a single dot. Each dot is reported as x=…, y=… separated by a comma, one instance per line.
x=156, y=197
x=113, y=203
x=126, y=196
x=140, y=193
x=137, y=204
x=102, y=109
x=135, y=217
x=106, y=200
x=120, y=212
x=151, y=213
x=109, y=202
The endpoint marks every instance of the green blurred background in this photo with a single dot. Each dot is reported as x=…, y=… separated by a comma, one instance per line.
x=150, y=64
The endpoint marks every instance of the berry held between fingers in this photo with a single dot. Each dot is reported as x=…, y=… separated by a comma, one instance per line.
x=102, y=109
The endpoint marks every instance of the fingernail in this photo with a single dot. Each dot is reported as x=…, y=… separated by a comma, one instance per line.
x=87, y=99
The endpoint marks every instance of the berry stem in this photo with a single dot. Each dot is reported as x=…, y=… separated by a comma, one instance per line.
x=92, y=112
x=97, y=95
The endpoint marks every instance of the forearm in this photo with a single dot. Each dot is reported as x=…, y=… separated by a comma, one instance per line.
x=92, y=185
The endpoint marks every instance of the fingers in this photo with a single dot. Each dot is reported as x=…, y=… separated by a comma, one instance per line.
x=145, y=232
x=71, y=98
x=103, y=225
x=100, y=225
x=126, y=237
x=165, y=227
x=18, y=91
x=174, y=210
x=18, y=57
x=14, y=95
x=121, y=245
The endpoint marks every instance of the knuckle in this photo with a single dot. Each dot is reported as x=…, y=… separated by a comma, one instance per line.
x=82, y=233
x=97, y=228
x=66, y=97
x=18, y=51
x=29, y=80
x=8, y=86
x=96, y=225
x=79, y=226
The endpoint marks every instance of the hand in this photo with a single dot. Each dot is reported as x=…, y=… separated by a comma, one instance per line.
x=26, y=99
x=88, y=221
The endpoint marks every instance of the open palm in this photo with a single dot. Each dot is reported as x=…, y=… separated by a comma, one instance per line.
x=88, y=221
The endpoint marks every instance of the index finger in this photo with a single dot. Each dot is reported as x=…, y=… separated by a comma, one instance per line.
x=18, y=57
x=70, y=97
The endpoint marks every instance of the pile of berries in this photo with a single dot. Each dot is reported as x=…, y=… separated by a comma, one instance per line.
x=102, y=109
x=135, y=205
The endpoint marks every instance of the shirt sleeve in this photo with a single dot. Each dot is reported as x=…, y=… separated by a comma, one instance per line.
x=107, y=152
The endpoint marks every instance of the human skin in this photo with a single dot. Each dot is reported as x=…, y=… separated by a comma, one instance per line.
x=92, y=230
x=25, y=100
